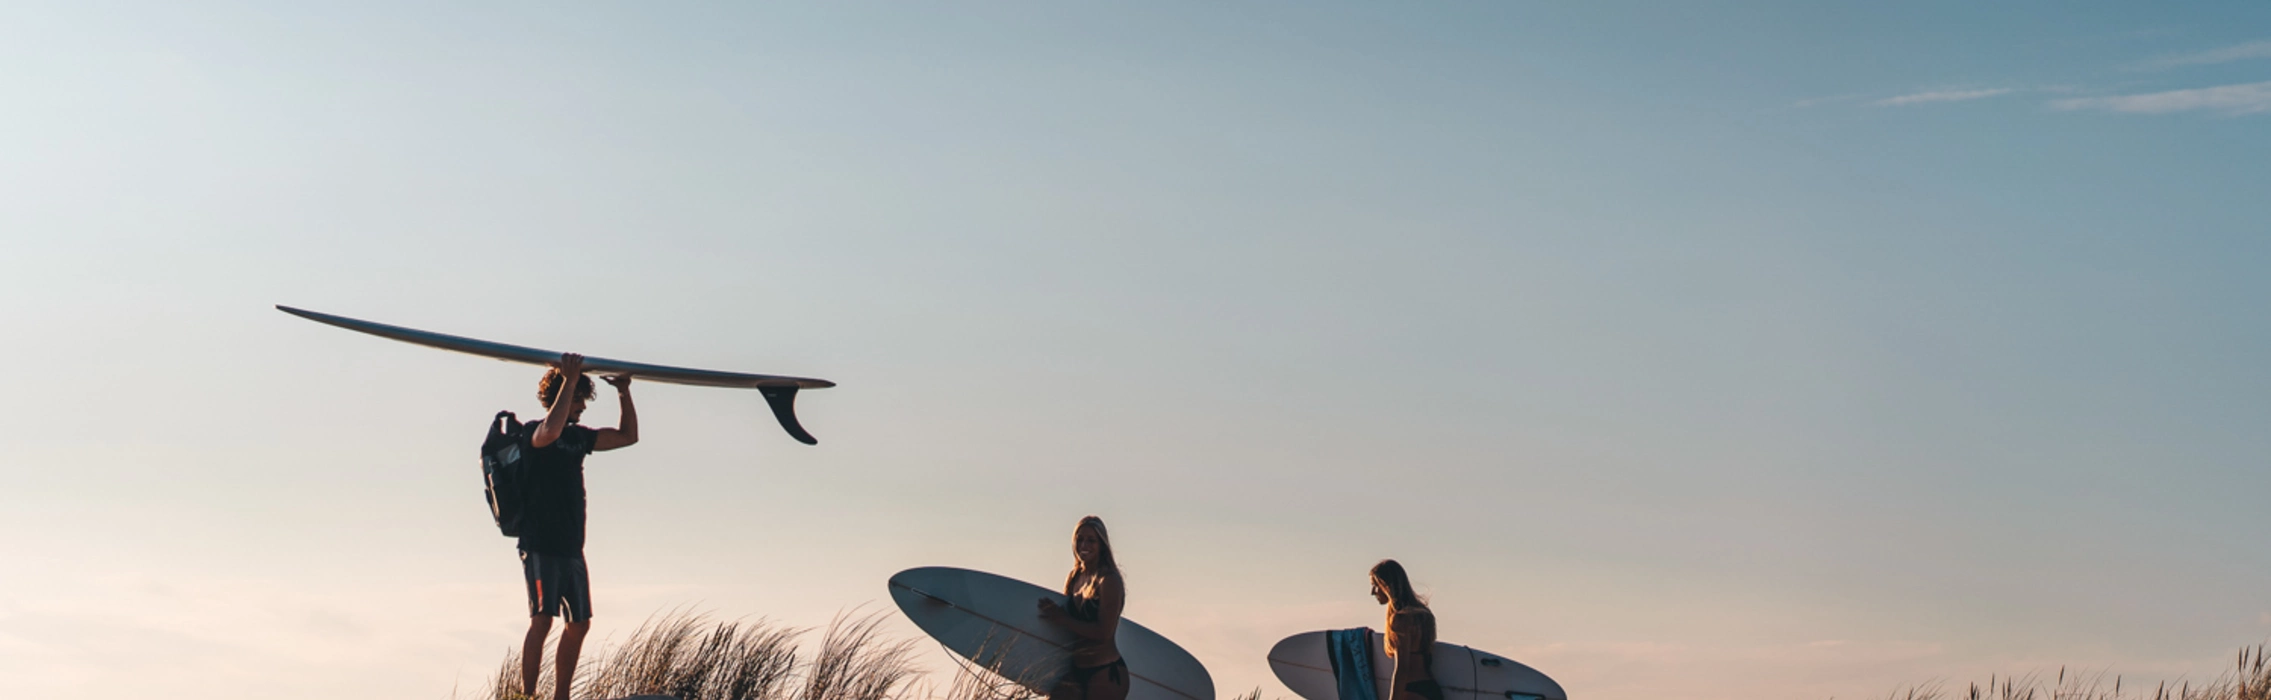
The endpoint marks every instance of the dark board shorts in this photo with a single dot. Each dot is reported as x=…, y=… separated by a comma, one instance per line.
x=558, y=585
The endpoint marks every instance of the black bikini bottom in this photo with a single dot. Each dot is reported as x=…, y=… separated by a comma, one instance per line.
x=1119, y=669
x=1427, y=689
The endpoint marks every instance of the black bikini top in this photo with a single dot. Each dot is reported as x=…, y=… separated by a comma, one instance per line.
x=1081, y=604
x=1083, y=608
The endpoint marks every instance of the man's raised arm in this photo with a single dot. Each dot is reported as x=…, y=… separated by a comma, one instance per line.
x=626, y=431
x=571, y=368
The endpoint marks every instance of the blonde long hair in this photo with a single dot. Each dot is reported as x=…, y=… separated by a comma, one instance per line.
x=1401, y=596
x=1105, y=564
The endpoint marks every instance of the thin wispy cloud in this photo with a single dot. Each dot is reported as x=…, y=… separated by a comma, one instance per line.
x=1819, y=101
x=2259, y=49
x=2244, y=98
x=1940, y=96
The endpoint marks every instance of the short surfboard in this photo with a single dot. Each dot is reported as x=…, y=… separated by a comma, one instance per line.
x=993, y=621
x=779, y=391
x=1301, y=663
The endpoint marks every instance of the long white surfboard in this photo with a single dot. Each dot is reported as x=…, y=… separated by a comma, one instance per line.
x=1303, y=665
x=779, y=391
x=993, y=621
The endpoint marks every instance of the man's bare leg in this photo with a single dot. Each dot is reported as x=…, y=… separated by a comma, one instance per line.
x=564, y=666
x=532, y=652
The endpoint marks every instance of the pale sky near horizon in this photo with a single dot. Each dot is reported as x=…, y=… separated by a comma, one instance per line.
x=1758, y=350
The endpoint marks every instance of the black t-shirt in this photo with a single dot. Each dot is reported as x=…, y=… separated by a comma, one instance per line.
x=552, y=520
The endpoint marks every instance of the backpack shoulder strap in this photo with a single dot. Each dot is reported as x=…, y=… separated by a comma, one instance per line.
x=505, y=423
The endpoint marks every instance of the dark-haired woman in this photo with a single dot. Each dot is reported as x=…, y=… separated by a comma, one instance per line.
x=1411, y=634
x=1096, y=597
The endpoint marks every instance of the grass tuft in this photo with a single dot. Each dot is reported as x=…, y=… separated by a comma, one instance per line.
x=855, y=663
x=2248, y=679
x=993, y=682
x=687, y=656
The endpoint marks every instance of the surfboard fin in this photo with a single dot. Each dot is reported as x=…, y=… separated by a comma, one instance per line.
x=783, y=401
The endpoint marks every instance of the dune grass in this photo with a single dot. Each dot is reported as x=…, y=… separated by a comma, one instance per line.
x=2249, y=678
x=688, y=656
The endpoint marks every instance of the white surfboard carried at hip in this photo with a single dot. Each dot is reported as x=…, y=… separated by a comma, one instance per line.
x=779, y=391
x=995, y=623
x=1304, y=665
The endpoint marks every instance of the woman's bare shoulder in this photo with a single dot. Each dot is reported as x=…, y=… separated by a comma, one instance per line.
x=1411, y=616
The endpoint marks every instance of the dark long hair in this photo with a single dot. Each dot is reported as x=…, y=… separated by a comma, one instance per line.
x=1391, y=577
x=1105, y=564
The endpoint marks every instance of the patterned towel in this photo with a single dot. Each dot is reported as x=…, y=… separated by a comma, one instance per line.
x=1351, y=652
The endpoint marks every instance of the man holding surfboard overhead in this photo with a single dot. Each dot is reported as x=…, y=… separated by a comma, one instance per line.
x=552, y=524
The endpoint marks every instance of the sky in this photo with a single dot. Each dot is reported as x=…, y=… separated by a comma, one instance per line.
x=1694, y=350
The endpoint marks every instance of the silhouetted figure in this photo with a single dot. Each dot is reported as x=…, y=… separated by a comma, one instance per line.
x=552, y=525
x=1410, y=640
x=1093, y=614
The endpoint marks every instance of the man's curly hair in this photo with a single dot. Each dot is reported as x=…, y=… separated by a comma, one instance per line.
x=548, y=389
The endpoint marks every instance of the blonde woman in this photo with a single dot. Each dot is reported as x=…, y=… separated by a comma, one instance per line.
x=1410, y=639
x=1092, y=613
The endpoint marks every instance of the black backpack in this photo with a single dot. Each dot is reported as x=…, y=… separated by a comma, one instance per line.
x=504, y=459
